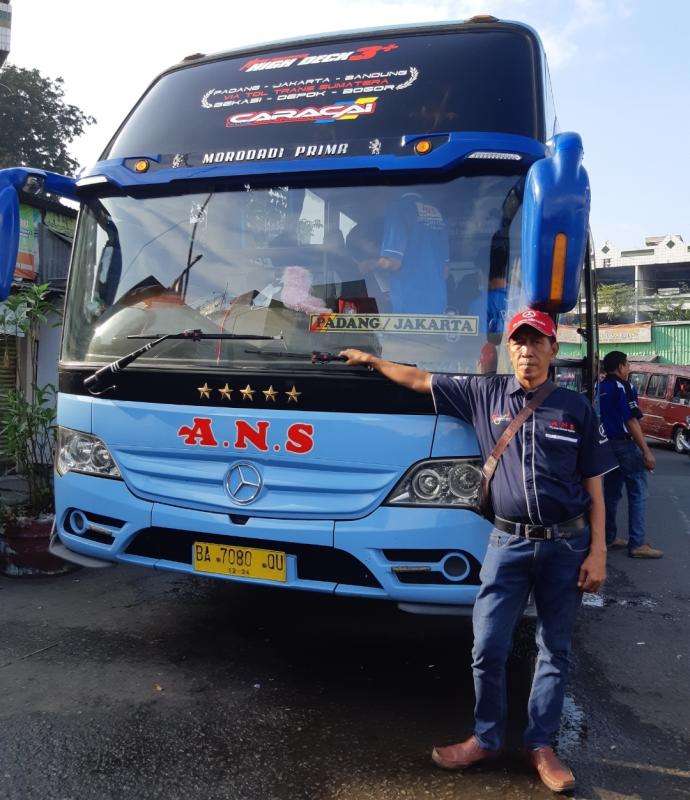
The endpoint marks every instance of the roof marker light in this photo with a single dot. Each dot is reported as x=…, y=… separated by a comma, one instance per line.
x=490, y=154
x=422, y=147
x=142, y=165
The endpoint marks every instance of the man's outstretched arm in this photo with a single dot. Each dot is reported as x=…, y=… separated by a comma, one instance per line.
x=419, y=380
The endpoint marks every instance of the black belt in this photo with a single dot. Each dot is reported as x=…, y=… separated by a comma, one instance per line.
x=563, y=530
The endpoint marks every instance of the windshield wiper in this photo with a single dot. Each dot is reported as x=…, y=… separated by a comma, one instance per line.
x=95, y=382
x=316, y=357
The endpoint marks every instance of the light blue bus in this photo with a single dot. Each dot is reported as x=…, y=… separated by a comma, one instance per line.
x=239, y=231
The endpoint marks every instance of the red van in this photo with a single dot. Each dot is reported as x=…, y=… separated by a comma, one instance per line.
x=664, y=393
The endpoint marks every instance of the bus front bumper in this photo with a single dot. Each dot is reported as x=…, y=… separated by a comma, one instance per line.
x=414, y=557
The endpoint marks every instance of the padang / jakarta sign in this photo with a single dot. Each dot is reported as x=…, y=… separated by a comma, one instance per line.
x=393, y=323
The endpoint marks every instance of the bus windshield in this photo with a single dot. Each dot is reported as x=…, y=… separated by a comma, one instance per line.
x=419, y=273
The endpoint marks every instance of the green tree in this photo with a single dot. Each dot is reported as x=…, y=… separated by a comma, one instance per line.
x=615, y=299
x=36, y=125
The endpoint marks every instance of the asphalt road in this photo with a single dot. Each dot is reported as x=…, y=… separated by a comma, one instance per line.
x=127, y=683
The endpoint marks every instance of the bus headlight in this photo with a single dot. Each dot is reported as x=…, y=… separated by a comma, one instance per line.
x=82, y=452
x=439, y=482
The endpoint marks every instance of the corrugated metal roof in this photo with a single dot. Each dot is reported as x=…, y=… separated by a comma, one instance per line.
x=55, y=254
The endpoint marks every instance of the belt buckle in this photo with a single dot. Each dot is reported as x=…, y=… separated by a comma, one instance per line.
x=537, y=533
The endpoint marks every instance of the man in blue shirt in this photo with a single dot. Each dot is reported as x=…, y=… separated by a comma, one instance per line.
x=620, y=415
x=548, y=535
x=414, y=256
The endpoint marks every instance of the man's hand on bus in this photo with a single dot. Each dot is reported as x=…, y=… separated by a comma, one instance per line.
x=357, y=357
x=419, y=380
x=388, y=263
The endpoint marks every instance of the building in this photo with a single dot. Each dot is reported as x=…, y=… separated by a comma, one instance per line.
x=656, y=272
x=5, y=28
x=45, y=245
x=649, y=318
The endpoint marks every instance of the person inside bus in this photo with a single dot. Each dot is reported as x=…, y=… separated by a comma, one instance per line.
x=360, y=290
x=413, y=261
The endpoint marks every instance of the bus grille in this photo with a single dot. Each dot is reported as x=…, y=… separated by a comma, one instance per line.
x=314, y=562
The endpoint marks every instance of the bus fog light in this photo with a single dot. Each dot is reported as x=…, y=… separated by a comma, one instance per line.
x=81, y=452
x=78, y=522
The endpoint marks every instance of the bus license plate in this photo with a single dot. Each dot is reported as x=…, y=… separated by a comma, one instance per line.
x=240, y=562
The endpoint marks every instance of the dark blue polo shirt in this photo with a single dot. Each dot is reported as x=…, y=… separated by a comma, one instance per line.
x=617, y=405
x=539, y=476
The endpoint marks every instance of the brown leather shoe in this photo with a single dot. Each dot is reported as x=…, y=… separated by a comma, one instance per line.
x=461, y=755
x=552, y=771
x=645, y=551
x=617, y=543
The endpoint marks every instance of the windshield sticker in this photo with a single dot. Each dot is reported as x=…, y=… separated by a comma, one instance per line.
x=305, y=59
x=311, y=88
x=198, y=214
x=274, y=153
x=364, y=106
x=375, y=147
x=393, y=323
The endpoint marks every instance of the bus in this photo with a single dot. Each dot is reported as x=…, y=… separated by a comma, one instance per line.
x=399, y=190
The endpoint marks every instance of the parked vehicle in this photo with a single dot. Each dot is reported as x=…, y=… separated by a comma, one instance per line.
x=664, y=391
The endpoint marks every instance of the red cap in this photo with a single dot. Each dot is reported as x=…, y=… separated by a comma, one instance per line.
x=539, y=320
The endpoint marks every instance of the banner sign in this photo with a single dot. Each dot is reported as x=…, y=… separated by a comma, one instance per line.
x=609, y=334
x=637, y=332
x=27, y=256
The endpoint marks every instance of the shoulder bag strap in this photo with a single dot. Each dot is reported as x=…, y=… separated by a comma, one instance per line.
x=492, y=461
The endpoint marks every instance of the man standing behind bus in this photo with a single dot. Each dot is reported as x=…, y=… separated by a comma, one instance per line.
x=414, y=256
x=548, y=535
x=620, y=415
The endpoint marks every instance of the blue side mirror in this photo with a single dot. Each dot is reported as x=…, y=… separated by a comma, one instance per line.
x=555, y=225
x=9, y=237
x=11, y=182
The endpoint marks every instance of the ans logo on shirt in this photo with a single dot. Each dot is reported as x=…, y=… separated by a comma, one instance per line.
x=501, y=419
x=562, y=426
x=563, y=431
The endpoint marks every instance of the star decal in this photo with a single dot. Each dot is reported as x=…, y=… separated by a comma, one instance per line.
x=270, y=394
x=293, y=394
x=204, y=391
x=226, y=392
x=247, y=393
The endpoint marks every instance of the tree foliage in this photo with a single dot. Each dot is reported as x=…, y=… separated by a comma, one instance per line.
x=36, y=125
x=615, y=299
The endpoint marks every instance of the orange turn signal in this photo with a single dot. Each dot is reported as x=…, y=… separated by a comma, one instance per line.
x=141, y=166
x=560, y=248
x=422, y=147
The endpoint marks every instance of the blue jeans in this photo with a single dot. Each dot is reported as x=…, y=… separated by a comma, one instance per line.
x=513, y=567
x=632, y=473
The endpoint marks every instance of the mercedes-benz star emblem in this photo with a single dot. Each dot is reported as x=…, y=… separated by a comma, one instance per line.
x=243, y=483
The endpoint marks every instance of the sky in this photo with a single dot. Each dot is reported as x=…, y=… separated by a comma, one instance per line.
x=620, y=71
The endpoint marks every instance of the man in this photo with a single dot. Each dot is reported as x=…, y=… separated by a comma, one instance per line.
x=620, y=415
x=548, y=536
x=414, y=256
